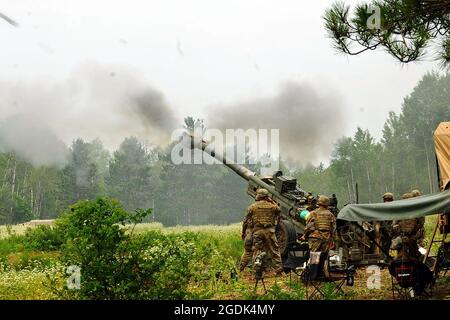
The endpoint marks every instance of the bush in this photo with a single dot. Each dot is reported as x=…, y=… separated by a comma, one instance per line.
x=160, y=265
x=11, y=244
x=43, y=238
x=115, y=263
x=93, y=239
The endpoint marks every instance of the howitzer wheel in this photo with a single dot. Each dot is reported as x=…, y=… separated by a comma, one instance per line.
x=285, y=233
x=346, y=234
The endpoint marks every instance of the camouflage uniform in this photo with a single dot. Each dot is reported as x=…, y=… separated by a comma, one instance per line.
x=264, y=215
x=320, y=226
x=420, y=221
x=247, y=234
x=410, y=231
x=386, y=227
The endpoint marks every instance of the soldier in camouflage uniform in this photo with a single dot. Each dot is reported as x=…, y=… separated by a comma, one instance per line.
x=410, y=231
x=320, y=226
x=386, y=227
x=247, y=236
x=264, y=215
x=420, y=221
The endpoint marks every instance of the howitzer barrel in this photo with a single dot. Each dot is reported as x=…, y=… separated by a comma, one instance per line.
x=286, y=204
x=239, y=169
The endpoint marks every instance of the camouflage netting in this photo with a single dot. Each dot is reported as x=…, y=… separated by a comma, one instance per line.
x=398, y=210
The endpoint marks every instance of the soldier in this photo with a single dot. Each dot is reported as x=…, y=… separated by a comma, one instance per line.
x=388, y=197
x=320, y=226
x=409, y=231
x=420, y=221
x=386, y=227
x=264, y=215
x=247, y=236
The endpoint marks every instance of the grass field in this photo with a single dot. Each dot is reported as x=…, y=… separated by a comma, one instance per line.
x=27, y=274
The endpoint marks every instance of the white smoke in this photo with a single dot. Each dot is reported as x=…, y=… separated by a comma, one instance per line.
x=96, y=101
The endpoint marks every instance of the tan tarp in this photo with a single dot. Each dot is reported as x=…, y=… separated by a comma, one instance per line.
x=442, y=146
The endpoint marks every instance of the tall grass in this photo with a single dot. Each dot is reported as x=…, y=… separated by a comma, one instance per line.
x=226, y=238
x=8, y=230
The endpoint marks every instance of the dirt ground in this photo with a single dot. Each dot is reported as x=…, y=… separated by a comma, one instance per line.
x=359, y=291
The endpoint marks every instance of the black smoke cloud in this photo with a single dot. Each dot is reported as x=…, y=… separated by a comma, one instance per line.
x=309, y=120
x=96, y=101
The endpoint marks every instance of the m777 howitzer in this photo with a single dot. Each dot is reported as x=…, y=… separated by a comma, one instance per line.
x=295, y=205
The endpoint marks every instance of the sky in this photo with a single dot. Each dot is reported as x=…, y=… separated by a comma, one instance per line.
x=200, y=55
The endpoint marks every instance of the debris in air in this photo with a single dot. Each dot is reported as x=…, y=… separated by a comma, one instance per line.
x=9, y=20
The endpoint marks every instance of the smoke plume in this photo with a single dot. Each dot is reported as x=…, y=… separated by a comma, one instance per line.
x=31, y=141
x=96, y=101
x=40, y=117
x=309, y=121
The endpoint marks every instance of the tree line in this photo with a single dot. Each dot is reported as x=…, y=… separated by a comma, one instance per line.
x=143, y=176
x=403, y=159
x=138, y=175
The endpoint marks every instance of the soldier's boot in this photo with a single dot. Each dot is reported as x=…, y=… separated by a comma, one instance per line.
x=246, y=259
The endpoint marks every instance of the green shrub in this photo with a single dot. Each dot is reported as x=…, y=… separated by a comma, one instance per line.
x=93, y=240
x=161, y=266
x=11, y=244
x=116, y=264
x=44, y=238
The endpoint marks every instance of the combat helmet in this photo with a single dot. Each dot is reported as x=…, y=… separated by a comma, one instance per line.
x=416, y=193
x=261, y=193
x=388, y=195
x=407, y=195
x=323, y=200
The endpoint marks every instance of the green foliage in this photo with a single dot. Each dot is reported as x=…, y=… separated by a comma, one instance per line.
x=30, y=260
x=330, y=293
x=115, y=264
x=19, y=252
x=406, y=27
x=168, y=263
x=44, y=238
x=183, y=198
x=131, y=176
x=403, y=160
x=28, y=283
x=93, y=238
x=293, y=291
x=141, y=175
x=161, y=266
x=13, y=243
x=84, y=175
